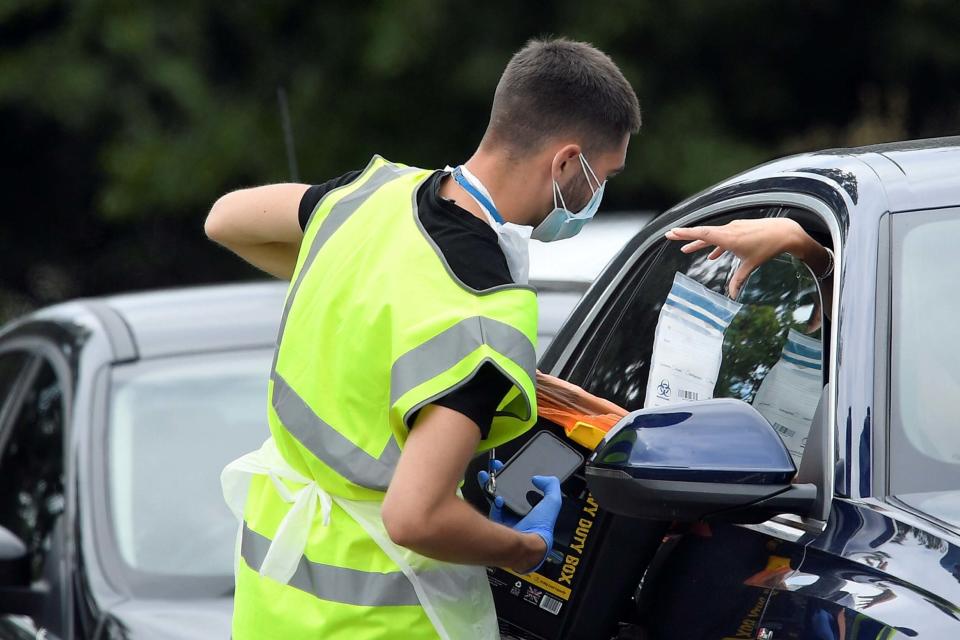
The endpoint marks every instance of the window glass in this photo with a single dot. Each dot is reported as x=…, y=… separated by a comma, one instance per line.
x=615, y=362
x=31, y=467
x=11, y=367
x=769, y=352
x=772, y=350
x=174, y=424
x=925, y=363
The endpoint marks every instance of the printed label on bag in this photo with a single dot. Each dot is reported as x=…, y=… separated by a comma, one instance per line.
x=688, y=343
x=789, y=393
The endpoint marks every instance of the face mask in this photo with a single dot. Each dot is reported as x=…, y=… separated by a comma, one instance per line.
x=514, y=239
x=561, y=223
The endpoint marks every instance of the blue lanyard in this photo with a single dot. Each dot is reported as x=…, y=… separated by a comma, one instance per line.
x=481, y=199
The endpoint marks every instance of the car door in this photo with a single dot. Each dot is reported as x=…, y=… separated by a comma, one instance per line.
x=891, y=562
x=721, y=572
x=32, y=496
x=924, y=378
x=888, y=564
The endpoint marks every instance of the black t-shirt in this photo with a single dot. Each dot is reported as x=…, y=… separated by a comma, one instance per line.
x=470, y=247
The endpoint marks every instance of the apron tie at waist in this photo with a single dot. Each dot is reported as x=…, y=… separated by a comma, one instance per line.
x=456, y=598
x=290, y=540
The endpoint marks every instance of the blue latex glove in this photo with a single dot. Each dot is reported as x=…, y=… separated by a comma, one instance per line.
x=540, y=520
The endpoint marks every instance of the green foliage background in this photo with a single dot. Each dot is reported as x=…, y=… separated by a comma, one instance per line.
x=123, y=121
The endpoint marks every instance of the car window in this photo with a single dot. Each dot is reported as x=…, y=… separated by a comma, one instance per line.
x=11, y=368
x=772, y=350
x=767, y=342
x=32, y=466
x=181, y=419
x=925, y=363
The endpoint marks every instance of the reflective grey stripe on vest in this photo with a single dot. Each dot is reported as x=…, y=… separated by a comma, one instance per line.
x=452, y=345
x=322, y=440
x=329, y=445
x=337, y=584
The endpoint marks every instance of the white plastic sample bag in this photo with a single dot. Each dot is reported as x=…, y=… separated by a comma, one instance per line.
x=688, y=343
x=789, y=394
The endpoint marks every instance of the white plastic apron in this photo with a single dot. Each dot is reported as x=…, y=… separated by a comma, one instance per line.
x=688, y=343
x=789, y=393
x=456, y=598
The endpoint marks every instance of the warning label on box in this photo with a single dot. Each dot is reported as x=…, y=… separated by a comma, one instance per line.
x=557, y=573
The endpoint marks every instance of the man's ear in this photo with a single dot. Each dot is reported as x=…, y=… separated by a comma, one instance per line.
x=562, y=159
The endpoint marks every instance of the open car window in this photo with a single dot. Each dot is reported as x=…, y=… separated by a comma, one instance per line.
x=671, y=334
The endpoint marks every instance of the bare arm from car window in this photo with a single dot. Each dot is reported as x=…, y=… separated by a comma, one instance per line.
x=422, y=511
x=755, y=242
x=260, y=225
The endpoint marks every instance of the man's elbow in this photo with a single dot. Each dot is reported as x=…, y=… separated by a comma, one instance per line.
x=216, y=225
x=404, y=526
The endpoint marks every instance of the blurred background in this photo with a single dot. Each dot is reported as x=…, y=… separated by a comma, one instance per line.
x=122, y=122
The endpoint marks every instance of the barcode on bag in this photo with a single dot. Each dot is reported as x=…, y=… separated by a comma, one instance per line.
x=784, y=430
x=683, y=394
x=551, y=604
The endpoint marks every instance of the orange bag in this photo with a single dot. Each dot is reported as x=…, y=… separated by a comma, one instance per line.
x=585, y=418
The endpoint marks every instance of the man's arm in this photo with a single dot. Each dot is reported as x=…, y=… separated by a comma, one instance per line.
x=755, y=242
x=422, y=512
x=260, y=225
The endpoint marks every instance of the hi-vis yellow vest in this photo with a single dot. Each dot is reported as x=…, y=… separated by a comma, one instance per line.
x=375, y=326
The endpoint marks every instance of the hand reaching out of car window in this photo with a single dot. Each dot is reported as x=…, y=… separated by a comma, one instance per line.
x=754, y=242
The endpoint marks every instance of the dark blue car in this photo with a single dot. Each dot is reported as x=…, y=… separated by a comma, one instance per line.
x=866, y=541
x=117, y=414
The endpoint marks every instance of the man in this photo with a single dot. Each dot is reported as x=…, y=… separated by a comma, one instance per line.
x=406, y=347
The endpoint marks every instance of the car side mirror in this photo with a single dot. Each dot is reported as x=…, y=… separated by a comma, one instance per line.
x=14, y=561
x=712, y=459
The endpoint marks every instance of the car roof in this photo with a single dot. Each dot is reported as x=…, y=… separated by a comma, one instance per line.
x=896, y=176
x=904, y=148
x=920, y=174
x=164, y=322
x=202, y=318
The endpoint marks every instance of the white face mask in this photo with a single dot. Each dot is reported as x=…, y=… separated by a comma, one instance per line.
x=514, y=239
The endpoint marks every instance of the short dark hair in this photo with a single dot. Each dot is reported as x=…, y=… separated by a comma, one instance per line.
x=559, y=86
